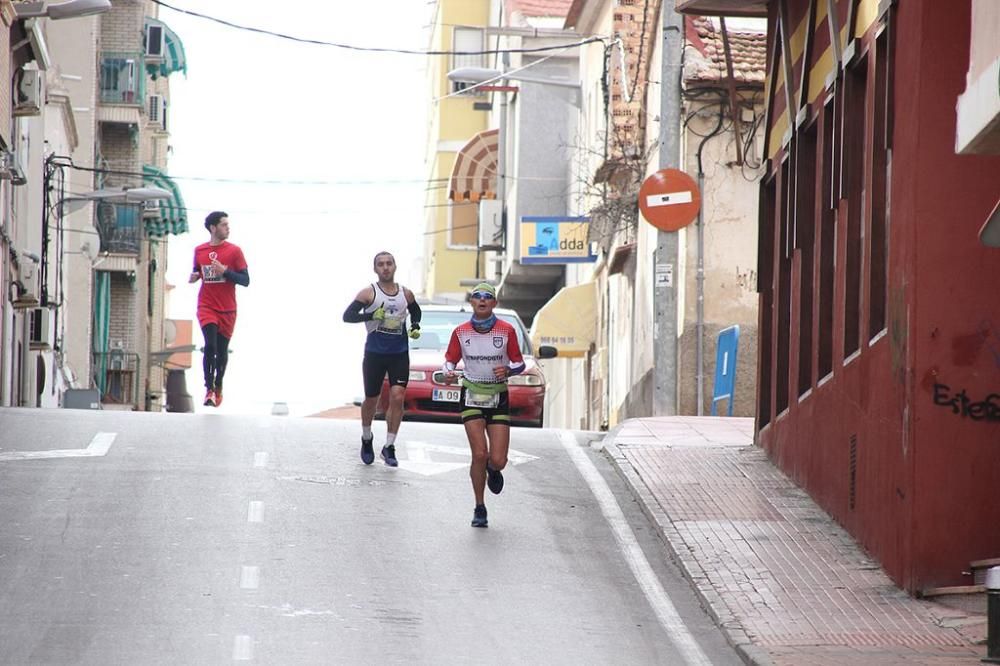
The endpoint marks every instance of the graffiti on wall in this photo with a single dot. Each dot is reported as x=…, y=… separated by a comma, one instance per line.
x=746, y=278
x=987, y=409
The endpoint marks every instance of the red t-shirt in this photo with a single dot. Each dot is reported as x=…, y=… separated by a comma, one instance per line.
x=217, y=292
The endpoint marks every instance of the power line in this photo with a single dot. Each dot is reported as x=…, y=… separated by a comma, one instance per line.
x=367, y=49
x=250, y=181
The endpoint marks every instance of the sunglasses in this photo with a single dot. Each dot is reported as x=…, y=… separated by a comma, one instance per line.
x=483, y=295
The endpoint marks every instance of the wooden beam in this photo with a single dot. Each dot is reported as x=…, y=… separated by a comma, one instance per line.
x=772, y=77
x=786, y=59
x=832, y=20
x=807, y=58
x=733, y=103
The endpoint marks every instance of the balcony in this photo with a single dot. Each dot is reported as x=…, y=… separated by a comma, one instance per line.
x=123, y=80
x=120, y=228
x=116, y=374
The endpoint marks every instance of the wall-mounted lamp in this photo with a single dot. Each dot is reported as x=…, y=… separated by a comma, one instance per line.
x=62, y=10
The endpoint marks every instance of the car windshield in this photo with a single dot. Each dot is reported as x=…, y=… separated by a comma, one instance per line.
x=436, y=328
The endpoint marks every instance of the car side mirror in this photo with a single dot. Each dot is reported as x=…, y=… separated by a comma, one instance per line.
x=547, y=351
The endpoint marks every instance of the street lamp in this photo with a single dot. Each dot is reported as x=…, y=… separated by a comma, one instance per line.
x=63, y=10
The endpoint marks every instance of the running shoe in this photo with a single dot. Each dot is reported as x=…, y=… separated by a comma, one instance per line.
x=389, y=455
x=494, y=479
x=479, y=516
x=210, y=398
x=367, y=452
x=218, y=396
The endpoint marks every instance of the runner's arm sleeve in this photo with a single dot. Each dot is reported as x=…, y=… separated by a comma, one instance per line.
x=516, y=365
x=241, y=278
x=355, y=313
x=415, y=314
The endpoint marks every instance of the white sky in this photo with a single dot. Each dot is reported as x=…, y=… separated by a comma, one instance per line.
x=261, y=108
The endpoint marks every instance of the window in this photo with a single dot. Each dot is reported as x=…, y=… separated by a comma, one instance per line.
x=463, y=224
x=853, y=177
x=805, y=241
x=879, y=278
x=467, y=40
x=827, y=240
x=765, y=285
x=783, y=351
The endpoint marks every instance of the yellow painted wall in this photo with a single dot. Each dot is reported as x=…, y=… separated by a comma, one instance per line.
x=452, y=120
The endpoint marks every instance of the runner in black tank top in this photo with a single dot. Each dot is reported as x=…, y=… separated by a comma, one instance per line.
x=384, y=308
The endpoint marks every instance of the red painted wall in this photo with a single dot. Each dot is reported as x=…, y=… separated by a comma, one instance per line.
x=924, y=478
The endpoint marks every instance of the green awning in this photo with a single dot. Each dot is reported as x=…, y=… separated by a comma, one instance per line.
x=172, y=218
x=173, y=59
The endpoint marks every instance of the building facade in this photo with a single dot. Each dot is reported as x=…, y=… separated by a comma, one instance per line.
x=877, y=362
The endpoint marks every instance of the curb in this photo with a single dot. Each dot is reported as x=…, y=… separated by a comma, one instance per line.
x=729, y=624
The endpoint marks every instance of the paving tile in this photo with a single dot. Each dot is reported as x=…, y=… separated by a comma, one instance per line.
x=770, y=563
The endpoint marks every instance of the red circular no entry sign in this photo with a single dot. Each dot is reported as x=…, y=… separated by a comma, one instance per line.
x=669, y=199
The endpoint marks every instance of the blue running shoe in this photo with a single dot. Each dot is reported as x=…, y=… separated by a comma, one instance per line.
x=479, y=516
x=367, y=452
x=494, y=479
x=389, y=455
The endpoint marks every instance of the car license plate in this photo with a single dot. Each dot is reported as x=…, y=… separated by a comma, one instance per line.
x=445, y=395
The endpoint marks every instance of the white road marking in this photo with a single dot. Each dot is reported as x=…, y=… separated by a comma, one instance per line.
x=256, y=512
x=260, y=459
x=669, y=618
x=418, y=461
x=243, y=648
x=98, y=446
x=249, y=578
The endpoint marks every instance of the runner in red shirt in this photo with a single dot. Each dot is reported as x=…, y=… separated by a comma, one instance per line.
x=220, y=266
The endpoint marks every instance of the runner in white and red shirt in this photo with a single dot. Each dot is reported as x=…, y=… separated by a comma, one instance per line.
x=490, y=353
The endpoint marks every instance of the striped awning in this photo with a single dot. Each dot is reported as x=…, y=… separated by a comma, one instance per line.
x=173, y=59
x=474, y=175
x=172, y=217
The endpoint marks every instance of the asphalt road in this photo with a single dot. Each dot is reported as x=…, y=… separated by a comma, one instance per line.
x=208, y=539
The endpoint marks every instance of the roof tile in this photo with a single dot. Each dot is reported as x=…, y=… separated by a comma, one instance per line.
x=749, y=51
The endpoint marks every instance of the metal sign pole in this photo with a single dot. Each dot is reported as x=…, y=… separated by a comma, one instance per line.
x=664, y=270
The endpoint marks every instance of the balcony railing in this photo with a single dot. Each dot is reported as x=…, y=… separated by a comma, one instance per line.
x=120, y=228
x=123, y=79
x=116, y=374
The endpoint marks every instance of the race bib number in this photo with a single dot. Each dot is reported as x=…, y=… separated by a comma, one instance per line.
x=391, y=325
x=482, y=400
x=208, y=274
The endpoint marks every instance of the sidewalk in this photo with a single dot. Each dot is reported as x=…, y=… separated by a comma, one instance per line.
x=784, y=582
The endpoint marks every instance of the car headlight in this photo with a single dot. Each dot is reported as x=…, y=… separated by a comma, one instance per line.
x=526, y=380
x=418, y=375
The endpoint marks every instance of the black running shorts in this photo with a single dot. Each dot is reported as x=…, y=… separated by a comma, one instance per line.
x=374, y=368
x=499, y=415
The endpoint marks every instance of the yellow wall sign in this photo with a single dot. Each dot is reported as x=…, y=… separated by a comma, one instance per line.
x=555, y=240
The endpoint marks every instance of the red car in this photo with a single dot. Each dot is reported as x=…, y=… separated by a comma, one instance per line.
x=428, y=398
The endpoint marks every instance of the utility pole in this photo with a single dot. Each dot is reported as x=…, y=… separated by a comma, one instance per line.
x=665, y=267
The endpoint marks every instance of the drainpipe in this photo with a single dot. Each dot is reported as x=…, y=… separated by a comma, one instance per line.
x=993, y=616
x=700, y=275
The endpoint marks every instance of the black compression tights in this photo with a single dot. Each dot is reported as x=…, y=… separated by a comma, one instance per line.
x=216, y=356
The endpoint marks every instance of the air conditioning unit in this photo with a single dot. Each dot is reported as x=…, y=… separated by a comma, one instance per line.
x=28, y=96
x=155, y=41
x=26, y=284
x=10, y=169
x=157, y=111
x=40, y=326
x=151, y=208
x=491, y=224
